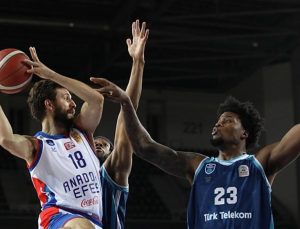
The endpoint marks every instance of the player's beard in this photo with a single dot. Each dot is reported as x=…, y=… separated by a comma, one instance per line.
x=62, y=118
x=217, y=142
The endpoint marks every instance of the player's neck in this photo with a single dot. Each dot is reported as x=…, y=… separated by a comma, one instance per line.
x=228, y=154
x=54, y=128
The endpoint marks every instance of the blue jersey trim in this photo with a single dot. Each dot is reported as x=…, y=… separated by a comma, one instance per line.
x=261, y=169
x=106, y=176
x=232, y=160
x=200, y=166
x=56, y=136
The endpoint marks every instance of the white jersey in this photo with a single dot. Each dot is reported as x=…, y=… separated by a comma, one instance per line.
x=65, y=174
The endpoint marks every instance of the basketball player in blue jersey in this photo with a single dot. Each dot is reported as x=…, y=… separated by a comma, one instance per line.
x=117, y=159
x=232, y=190
x=60, y=159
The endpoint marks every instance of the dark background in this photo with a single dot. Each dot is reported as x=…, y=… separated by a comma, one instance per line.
x=207, y=44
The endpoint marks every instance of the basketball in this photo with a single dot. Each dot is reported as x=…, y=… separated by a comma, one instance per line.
x=13, y=75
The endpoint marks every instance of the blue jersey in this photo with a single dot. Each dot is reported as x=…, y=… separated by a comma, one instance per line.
x=230, y=194
x=114, y=200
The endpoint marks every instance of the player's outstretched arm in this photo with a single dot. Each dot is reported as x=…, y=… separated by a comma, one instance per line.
x=91, y=111
x=18, y=145
x=276, y=156
x=119, y=163
x=136, y=49
x=181, y=164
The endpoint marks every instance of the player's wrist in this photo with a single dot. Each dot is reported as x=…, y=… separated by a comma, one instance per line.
x=125, y=101
x=138, y=60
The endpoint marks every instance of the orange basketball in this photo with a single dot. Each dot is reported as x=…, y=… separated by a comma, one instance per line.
x=13, y=75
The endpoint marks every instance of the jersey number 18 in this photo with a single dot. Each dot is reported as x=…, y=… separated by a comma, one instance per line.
x=78, y=160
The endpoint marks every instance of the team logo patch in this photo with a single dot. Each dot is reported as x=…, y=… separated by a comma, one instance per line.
x=210, y=168
x=69, y=145
x=50, y=142
x=76, y=136
x=243, y=171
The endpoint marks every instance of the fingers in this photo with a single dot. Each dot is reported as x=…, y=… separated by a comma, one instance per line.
x=143, y=29
x=30, y=71
x=128, y=42
x=30, y=63
x=34, y=55
x=107, y=91
x=133, y=29
x=146, y=34
x=101, y=81
x=137, y=27
x=138, y=31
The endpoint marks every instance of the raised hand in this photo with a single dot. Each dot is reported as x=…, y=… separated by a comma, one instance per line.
x=136, y=45
x=38, y=68
x=110, y=90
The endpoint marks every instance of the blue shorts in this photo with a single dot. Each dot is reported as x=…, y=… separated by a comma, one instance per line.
x=55, y=218
x=60, y=219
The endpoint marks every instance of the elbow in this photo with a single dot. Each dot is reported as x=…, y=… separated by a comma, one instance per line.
x=98, y=98
x=5, y=142
x=143, y=146
x=1, y=141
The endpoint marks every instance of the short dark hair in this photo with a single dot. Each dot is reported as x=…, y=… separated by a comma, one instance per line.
x=41, y=90
x=249, y=116
x=111, y=146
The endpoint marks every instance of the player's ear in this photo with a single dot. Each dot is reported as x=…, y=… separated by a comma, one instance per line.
x=48, y=104
x=245, y=134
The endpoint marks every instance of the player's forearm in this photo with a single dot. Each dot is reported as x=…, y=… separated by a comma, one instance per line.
x=145, y=147
x=133, y=90
x=134, y=87
x=81, y=90
x=136, y=133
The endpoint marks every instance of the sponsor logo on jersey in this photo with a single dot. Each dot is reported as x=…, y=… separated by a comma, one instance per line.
x=89, y=202
x=69, y=145
x=210, y=168
x=243, y=171
x=50, y=142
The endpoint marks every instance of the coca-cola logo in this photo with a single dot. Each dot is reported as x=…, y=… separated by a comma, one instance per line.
x=89, y=202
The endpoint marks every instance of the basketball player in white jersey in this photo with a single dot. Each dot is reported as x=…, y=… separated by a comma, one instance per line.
x=117, y=158
x=60, y=159
x=232, y=190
